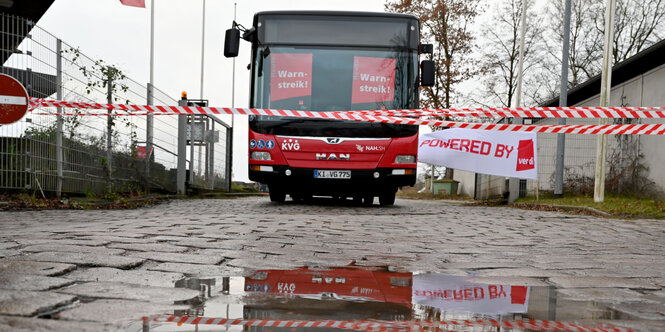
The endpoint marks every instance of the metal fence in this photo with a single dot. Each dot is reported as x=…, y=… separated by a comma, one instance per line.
x=69, y=151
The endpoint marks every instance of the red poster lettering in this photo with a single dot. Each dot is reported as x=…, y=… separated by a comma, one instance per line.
x=373, y=80
x=290, y=75
x=525, y=156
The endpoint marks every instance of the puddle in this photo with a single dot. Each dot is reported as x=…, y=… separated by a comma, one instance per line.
x=369, y=299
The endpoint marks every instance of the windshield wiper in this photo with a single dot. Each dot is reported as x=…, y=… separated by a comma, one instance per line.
x=262, y=55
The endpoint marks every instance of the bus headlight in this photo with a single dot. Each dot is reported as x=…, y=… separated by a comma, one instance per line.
x=405, y=159
x=260, y=155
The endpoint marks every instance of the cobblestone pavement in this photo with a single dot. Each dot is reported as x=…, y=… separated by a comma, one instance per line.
x=94, y=270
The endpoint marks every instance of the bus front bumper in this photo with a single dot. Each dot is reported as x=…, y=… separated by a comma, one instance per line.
x=301, y=180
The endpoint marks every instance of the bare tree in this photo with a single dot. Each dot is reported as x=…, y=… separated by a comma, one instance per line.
x=501, y=52
x=446, y=23
x=638, y=25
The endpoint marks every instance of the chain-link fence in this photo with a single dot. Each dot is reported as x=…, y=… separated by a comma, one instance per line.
x=58, y=150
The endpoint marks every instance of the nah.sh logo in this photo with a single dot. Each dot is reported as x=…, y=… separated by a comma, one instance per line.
x=525, y=156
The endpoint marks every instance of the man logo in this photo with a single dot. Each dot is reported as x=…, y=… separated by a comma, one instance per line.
x=332, y=156
x=333, y=140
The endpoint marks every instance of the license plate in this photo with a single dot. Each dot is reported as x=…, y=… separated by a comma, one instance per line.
x=331, y=174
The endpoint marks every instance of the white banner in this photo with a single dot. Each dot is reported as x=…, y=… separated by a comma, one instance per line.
x=510, y=154
x=453, y=293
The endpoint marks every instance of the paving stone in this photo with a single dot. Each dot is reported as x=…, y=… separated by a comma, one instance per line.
x=9, y=253
x=156, y=247
x=8, y=245
x=75, y=242
x=117, y=311
x=484, y=265
x=29, y=303
x=199, y=258
x=71, y=248
x=596, y=282
x=199, y=270
x=34, y=268
x=513, y=281
x=605, y=295
x=84, y=259
x=647, y=311
x=141, y=277
x=20, y=324
x=519, y=272
x=29, y=282
x=112, y=290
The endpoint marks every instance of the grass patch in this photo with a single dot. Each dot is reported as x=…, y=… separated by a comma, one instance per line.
x=628, y=207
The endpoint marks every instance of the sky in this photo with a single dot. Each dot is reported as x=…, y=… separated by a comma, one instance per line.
x=120, y=35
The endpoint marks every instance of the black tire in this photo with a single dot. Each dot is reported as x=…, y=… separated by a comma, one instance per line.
x=368, y=200
x=357, y=200
x=387, y=197
x=277, y=194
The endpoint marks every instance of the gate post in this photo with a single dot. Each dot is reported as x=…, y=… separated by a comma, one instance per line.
x=182, y=150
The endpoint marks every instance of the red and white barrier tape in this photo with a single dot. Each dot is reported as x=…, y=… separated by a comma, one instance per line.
x=376, y=116
x=657, y=112
x=383, y=325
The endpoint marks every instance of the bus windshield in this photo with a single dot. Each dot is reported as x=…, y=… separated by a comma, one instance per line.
x=324, y=79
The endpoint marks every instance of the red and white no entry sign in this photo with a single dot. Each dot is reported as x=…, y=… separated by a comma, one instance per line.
x=13, y=100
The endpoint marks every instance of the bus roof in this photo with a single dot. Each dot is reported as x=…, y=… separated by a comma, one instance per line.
x=333, y=13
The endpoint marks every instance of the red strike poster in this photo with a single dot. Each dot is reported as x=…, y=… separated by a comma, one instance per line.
x=290, y=75
x=373, y=80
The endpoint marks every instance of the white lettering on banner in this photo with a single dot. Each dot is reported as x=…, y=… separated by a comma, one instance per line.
x=456, y=293
x=511, y=154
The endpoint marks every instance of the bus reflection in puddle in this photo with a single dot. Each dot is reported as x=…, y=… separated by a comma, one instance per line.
x=304, y=298
x=353, y=293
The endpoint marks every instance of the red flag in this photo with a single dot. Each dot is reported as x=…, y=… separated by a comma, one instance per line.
x=134, y=3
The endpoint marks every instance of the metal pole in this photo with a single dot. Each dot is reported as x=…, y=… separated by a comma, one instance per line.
x=211, y=156
x=191, y=149
x=229, y=131
x=229, y=157
x=149, y=135
x=514, y=183
x=59, y=122
x=182, y=151
x=109, y=132
x=152, y=41
x=563, y=101
x=151, y=95
x=203, y=40
x=605, y=88
x=203, y=33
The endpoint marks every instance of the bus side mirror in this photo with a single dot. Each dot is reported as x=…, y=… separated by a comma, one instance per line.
x=232, y=42
x=427, y=73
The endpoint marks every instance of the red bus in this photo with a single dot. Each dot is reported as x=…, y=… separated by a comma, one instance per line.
x=332, y=61
x=351, y=283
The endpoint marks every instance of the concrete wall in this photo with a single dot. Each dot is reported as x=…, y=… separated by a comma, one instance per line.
x=466, y=182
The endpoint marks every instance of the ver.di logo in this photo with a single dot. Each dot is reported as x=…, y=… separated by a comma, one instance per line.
x=525, y=156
